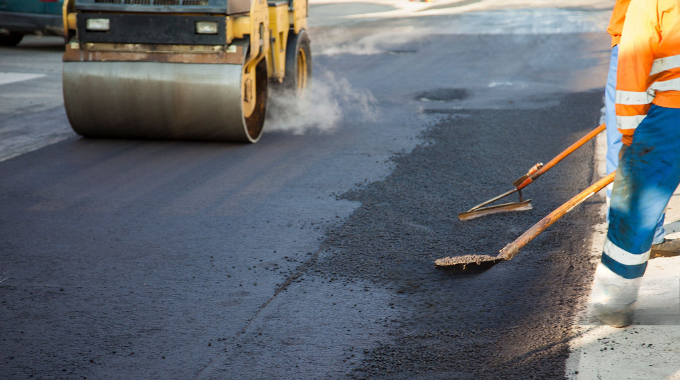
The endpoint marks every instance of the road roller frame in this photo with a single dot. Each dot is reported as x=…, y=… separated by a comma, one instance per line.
x=120, y=49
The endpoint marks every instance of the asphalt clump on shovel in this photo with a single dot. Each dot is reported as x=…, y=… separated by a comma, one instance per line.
x=463, y=260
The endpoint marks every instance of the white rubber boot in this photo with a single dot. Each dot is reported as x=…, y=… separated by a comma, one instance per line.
x=614, y=297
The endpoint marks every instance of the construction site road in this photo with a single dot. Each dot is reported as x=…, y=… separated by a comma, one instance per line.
x=309, y=255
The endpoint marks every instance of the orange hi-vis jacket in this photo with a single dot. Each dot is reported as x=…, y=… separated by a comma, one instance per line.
x=615, y=27
x=649, y=62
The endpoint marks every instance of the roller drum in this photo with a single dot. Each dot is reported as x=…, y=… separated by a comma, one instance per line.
x=159, y=101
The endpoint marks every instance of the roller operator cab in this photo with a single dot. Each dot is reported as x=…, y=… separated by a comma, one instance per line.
x=181, y=69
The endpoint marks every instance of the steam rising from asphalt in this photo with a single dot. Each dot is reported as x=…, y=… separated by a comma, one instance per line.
x=323, y=107
x=341, y=41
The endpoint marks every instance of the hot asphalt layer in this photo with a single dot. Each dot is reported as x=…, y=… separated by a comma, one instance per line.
x=513, y=321
x=311, y=256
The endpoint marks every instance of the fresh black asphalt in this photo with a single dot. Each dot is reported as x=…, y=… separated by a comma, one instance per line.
x=310, y=256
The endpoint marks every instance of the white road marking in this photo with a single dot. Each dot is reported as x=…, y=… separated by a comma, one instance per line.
x=24, y=133
x=9, y=77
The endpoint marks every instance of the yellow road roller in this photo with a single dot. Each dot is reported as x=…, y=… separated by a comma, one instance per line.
x=181, y=69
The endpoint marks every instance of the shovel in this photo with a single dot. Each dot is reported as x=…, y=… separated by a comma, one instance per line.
x=478, y=263
x=524, y=181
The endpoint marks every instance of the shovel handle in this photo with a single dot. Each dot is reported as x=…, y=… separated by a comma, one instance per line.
x=511, y=250
x=562, y=155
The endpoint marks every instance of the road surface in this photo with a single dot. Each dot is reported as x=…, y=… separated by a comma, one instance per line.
x=309, y=254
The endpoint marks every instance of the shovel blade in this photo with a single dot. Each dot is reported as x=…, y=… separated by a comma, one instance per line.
x=467, y=264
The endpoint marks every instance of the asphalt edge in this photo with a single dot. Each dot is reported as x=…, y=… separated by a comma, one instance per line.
x=596, y=243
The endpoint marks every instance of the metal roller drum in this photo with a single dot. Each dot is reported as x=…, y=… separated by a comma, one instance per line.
x=154, y=100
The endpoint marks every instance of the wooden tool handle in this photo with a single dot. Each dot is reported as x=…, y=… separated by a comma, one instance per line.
x=510, y=250
x=562, y=155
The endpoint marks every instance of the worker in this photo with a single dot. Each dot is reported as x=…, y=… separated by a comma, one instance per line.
x=648, y=116
x=660, y=246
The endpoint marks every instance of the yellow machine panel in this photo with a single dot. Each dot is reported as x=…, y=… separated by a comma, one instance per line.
x=207, y=80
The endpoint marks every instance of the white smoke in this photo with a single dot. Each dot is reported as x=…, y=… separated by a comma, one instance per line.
x=341, y=41
x=323, y=107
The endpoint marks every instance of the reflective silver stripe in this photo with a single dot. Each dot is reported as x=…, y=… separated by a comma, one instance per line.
x=632, y=98
x=663, y=64
x=667, y=85
x=624, y=257
x=629, y=122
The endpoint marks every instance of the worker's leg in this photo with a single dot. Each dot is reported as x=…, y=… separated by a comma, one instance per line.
x=647, y=176
x=614, y=136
